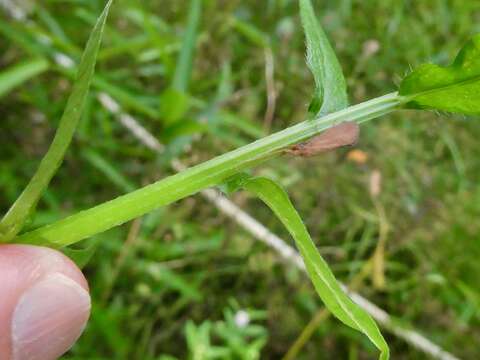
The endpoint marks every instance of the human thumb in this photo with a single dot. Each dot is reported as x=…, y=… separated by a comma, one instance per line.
x=44, y=303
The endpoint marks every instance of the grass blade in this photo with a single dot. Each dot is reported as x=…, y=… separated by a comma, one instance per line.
x=13, y=221
x=108, y=170
x=183, y=70
x=20, y=73
x=330, y=86
x=174, y=101
x=322, y=277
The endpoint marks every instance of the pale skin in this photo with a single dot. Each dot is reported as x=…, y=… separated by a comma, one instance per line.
x=44, y=303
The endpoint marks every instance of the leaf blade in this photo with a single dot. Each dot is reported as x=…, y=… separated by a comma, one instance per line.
x=455, y=88
x=330, y=85
x=13, y=221
x=20, y=73
x=322, y=277
x=183, y=70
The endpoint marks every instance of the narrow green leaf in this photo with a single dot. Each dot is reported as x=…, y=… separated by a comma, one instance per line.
x=455, y=88
x=322, y=277
x=174, y=101
x=250, y=32
x=175, y=281
x=127, y=98
x=16, y=33
x=18, y=74
x=183, y=70
x=108, y=170
x=13, y=221
x=330, y=86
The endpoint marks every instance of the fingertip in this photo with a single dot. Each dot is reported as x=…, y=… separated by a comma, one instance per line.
x=44, y=303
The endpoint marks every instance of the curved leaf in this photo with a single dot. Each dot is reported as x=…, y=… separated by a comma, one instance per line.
x=18, y=74
x=455, y=88
x=330, y=86
x=13, y=221
x=322, y=277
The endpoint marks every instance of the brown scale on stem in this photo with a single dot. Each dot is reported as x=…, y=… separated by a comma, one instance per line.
x=343, y=134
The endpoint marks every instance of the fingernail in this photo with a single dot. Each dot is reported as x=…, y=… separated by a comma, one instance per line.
x=49, y=317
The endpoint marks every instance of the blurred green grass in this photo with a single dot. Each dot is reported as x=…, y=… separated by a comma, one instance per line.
x=188, y=263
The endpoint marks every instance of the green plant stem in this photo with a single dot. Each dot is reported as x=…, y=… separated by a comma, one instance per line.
x=210, y=173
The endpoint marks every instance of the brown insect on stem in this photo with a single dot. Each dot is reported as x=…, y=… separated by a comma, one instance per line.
x=343, y=134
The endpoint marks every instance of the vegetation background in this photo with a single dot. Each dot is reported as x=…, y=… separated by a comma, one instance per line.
x=187, y=282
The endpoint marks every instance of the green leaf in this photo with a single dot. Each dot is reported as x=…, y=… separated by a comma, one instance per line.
x=330, y=86
x=182, y=129
x=183, y=70
x=172, y=280
x=235, y=183
x=14, y=220
x=174, y=104
x=18, y=74
x=108, y=170
x=127, y=98
x=455, y=88
x=250, y=32
x=322, y=277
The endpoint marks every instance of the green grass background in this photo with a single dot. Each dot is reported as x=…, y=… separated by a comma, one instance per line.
x=188, y=264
